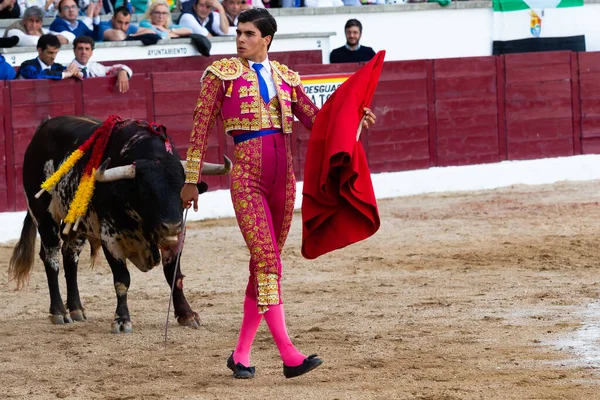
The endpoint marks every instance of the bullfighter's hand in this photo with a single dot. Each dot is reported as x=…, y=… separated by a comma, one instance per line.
x=369, y=118
x=189, y=196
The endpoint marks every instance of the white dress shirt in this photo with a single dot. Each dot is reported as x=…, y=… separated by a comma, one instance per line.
x=187, y=20
x=266, y=73
x=95, y=69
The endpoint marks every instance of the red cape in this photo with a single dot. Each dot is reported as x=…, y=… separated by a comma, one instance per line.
x=338, y=202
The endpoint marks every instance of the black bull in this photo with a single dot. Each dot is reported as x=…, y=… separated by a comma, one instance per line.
x=135, y=212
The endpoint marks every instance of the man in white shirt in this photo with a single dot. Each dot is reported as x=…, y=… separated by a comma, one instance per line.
x=83, y=47
x=204, y=17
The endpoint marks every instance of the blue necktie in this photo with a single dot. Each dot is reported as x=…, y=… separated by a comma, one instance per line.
x=264, y=91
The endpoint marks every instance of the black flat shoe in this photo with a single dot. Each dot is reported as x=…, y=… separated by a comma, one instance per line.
x=239, y=370
x=311, y=362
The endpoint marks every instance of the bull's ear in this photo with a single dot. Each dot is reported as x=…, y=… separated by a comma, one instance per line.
x=202, y=187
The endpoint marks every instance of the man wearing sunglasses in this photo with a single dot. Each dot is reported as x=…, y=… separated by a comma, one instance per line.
x=67, y=19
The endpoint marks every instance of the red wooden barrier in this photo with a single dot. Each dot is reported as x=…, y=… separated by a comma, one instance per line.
x=101, y=98
x=177, y=116
x=466, y=111
x=31, y=101
x=400, y=140
x=430, y=112
x=589, y=87
x=539, y=119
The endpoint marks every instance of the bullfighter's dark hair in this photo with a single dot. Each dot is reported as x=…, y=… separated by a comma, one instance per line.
x=48, y=40
x=353, y=22
x=83, y=39
x=262, y=20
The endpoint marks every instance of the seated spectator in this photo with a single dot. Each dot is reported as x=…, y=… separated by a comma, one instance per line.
x=29, y=28
x=119, y=27
x=352, y=51
x=233, y=8
x=200, y=17
x=43, y=66
x=83, y=47
x=158, y=18
x=9, y=9
x=49, y=7
x=7, y=72
x=67, y=19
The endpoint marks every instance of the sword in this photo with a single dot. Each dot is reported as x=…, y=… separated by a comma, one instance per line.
x=174, y=277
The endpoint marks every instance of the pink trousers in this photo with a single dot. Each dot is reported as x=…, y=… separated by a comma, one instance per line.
x=263, y=191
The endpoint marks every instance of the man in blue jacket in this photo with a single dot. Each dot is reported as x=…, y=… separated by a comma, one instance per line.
x=7, y=72
x=43, y=66
x=67, y=19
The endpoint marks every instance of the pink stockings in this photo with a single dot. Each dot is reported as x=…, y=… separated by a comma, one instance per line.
x=275, y=318
x=263, y=188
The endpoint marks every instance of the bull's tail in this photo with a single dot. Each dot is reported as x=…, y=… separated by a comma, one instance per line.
x=21, y=261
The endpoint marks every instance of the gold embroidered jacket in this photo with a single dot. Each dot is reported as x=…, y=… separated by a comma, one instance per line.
x=229, y=88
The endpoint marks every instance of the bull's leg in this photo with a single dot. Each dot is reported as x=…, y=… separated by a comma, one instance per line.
x=71, y=249
x=49, y=253
x=183, y=312
x=121, y=280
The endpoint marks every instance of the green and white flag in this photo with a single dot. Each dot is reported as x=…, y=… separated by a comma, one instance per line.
x=537, y=25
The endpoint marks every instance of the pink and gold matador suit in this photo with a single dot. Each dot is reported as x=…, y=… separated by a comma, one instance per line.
x=263, y=186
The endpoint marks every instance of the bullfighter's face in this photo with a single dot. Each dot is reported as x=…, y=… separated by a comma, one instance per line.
x=250, y=44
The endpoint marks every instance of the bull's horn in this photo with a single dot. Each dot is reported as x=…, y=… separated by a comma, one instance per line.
x=114, y=174
x=214, y=169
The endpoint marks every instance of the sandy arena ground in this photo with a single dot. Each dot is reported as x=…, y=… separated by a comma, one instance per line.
x=482, y=295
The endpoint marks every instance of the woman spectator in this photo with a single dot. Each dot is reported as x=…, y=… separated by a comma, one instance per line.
x=158, y=18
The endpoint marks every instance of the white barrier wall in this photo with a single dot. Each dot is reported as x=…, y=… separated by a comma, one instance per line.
x=462, y=29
